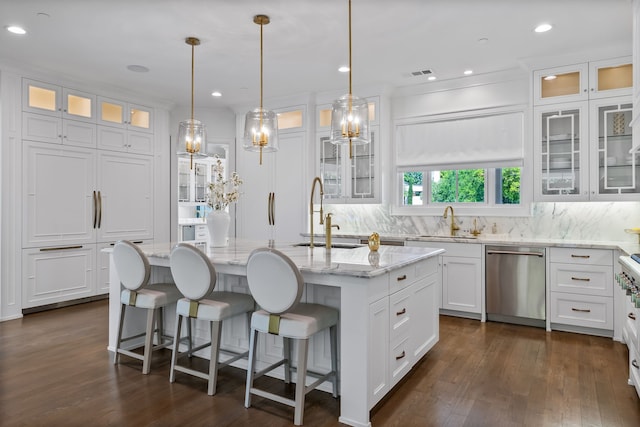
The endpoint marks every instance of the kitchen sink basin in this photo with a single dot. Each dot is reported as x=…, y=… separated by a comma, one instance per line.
x=333, y=245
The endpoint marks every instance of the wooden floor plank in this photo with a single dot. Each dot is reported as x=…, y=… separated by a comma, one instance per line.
x=55, y=371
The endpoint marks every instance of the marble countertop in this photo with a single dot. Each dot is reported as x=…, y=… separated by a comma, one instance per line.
x=499, y=239
x=356, y=262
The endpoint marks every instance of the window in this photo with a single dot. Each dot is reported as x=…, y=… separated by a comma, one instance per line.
x=490, y=187
x=473, y=162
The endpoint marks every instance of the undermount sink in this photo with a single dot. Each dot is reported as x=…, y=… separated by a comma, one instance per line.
x=447, y=236
x=333, y=245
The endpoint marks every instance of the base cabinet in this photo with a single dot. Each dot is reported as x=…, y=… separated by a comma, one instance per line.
x=581, y=290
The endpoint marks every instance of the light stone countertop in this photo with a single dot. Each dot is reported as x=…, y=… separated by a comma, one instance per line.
x=357, y=262
x=626, y=247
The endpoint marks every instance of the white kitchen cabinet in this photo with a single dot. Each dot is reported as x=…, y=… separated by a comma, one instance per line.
x=56, y=274
x=461, y=265
x=125, y=115
x=274, y=202
x=581, y=151
x=54, y=130
x=57, y=101
x=112, y=138
x=125, y=184
x=580, y=82
x=59, y=201
x=347, y=179
x=581, y=290
x=77, y=197
x=615, y=173
x=561, y=154
x=378, y=350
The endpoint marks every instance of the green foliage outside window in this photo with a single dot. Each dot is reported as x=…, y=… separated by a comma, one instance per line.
x=463, y=186
x=511, y=186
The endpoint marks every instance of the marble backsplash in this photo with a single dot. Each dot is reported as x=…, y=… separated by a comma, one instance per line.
x=599, y=221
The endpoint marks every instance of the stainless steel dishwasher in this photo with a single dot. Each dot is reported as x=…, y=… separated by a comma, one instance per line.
x=515, y=285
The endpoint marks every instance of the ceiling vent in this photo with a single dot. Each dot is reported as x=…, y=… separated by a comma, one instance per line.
x=426, y=72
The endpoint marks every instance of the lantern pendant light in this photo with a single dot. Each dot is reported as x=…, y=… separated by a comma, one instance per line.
x=191, y=132
x=261, y=126
x=350, y=114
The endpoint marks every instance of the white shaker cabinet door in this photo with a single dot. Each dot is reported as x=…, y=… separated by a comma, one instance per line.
x=58, y=194
x=125, y=197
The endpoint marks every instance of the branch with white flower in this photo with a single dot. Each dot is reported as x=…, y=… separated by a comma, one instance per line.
x=223, y=192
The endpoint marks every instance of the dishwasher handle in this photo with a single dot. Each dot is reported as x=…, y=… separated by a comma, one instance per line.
x=496, y=252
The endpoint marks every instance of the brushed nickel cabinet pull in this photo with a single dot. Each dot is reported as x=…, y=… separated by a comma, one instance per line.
x=581, y=279
x=581, y=310
x=273, y=208
x=60, y=248
x=99, y=209
x=634, y=362
x=269, y=208
x=401, y=278
x=580, y=256
x=95, y=209
x=631, y=316
x=401, y=312
x=401, y=356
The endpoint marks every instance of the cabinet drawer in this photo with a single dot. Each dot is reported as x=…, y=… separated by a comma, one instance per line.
x=581, y=256
x=582, y=310
x=582, y=279
x=399, y=314
x=400, y=360
x=401, y=278
x=427, y=267
x=471, y=250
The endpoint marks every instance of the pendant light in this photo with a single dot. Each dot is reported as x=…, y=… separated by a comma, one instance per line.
x=261, y=126
x=191, y=132
x=350, y=114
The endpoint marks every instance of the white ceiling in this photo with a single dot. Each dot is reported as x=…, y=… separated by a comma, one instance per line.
x=305, y=43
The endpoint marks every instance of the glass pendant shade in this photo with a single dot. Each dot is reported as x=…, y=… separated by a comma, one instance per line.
x=191, y=137
x=260, y=131
x=350, y=121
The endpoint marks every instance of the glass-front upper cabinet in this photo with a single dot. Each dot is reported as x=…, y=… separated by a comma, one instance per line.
x=580, y=82
x=561, y=157
x=614, y=173
x=54, y=100
x=122, y=114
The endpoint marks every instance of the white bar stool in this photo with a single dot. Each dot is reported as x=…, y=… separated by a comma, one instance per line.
x=195, y=277
x=276, y=284
x=134, y=271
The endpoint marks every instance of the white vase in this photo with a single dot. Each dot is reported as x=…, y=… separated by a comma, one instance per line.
x=218, y=225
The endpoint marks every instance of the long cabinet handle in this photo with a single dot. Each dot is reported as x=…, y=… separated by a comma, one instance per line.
x=401, y=278
x=401, y=355
x=60, y=248
x=95, y=209
x=581, y=279
x=269, y=208
x=581, y=310
x=401, y=312
x=99, y=209
x=580, y=256
x=538, y=254
x=273, y=208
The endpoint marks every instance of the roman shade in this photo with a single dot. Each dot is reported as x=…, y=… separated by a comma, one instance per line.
x=495, y=140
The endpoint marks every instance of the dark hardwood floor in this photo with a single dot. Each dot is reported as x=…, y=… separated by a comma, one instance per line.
x=55, y=371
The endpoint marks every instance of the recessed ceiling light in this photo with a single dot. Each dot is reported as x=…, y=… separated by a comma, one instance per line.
x=543, y=28
x=468, y=72
x=16, y=29
x=138, y=68
x=431, y=78
x=216, y=93
x=343, y=69
x=551, y=77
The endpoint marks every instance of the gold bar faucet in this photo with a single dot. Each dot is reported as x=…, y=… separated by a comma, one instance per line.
x=454, y=226
x=328, y=227
x=316, y=180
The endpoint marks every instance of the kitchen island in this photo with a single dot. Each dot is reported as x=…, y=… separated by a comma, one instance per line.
x=388, y=302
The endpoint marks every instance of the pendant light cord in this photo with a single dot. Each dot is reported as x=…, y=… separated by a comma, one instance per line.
x=350, y=67
x=193, y=48
x=261, y=25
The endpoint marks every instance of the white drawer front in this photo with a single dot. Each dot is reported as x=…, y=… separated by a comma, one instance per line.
x=583, y=279
x=399, y=314
x=401, y=278
x=400, y=362
x=582, y=310
x=581, y=256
